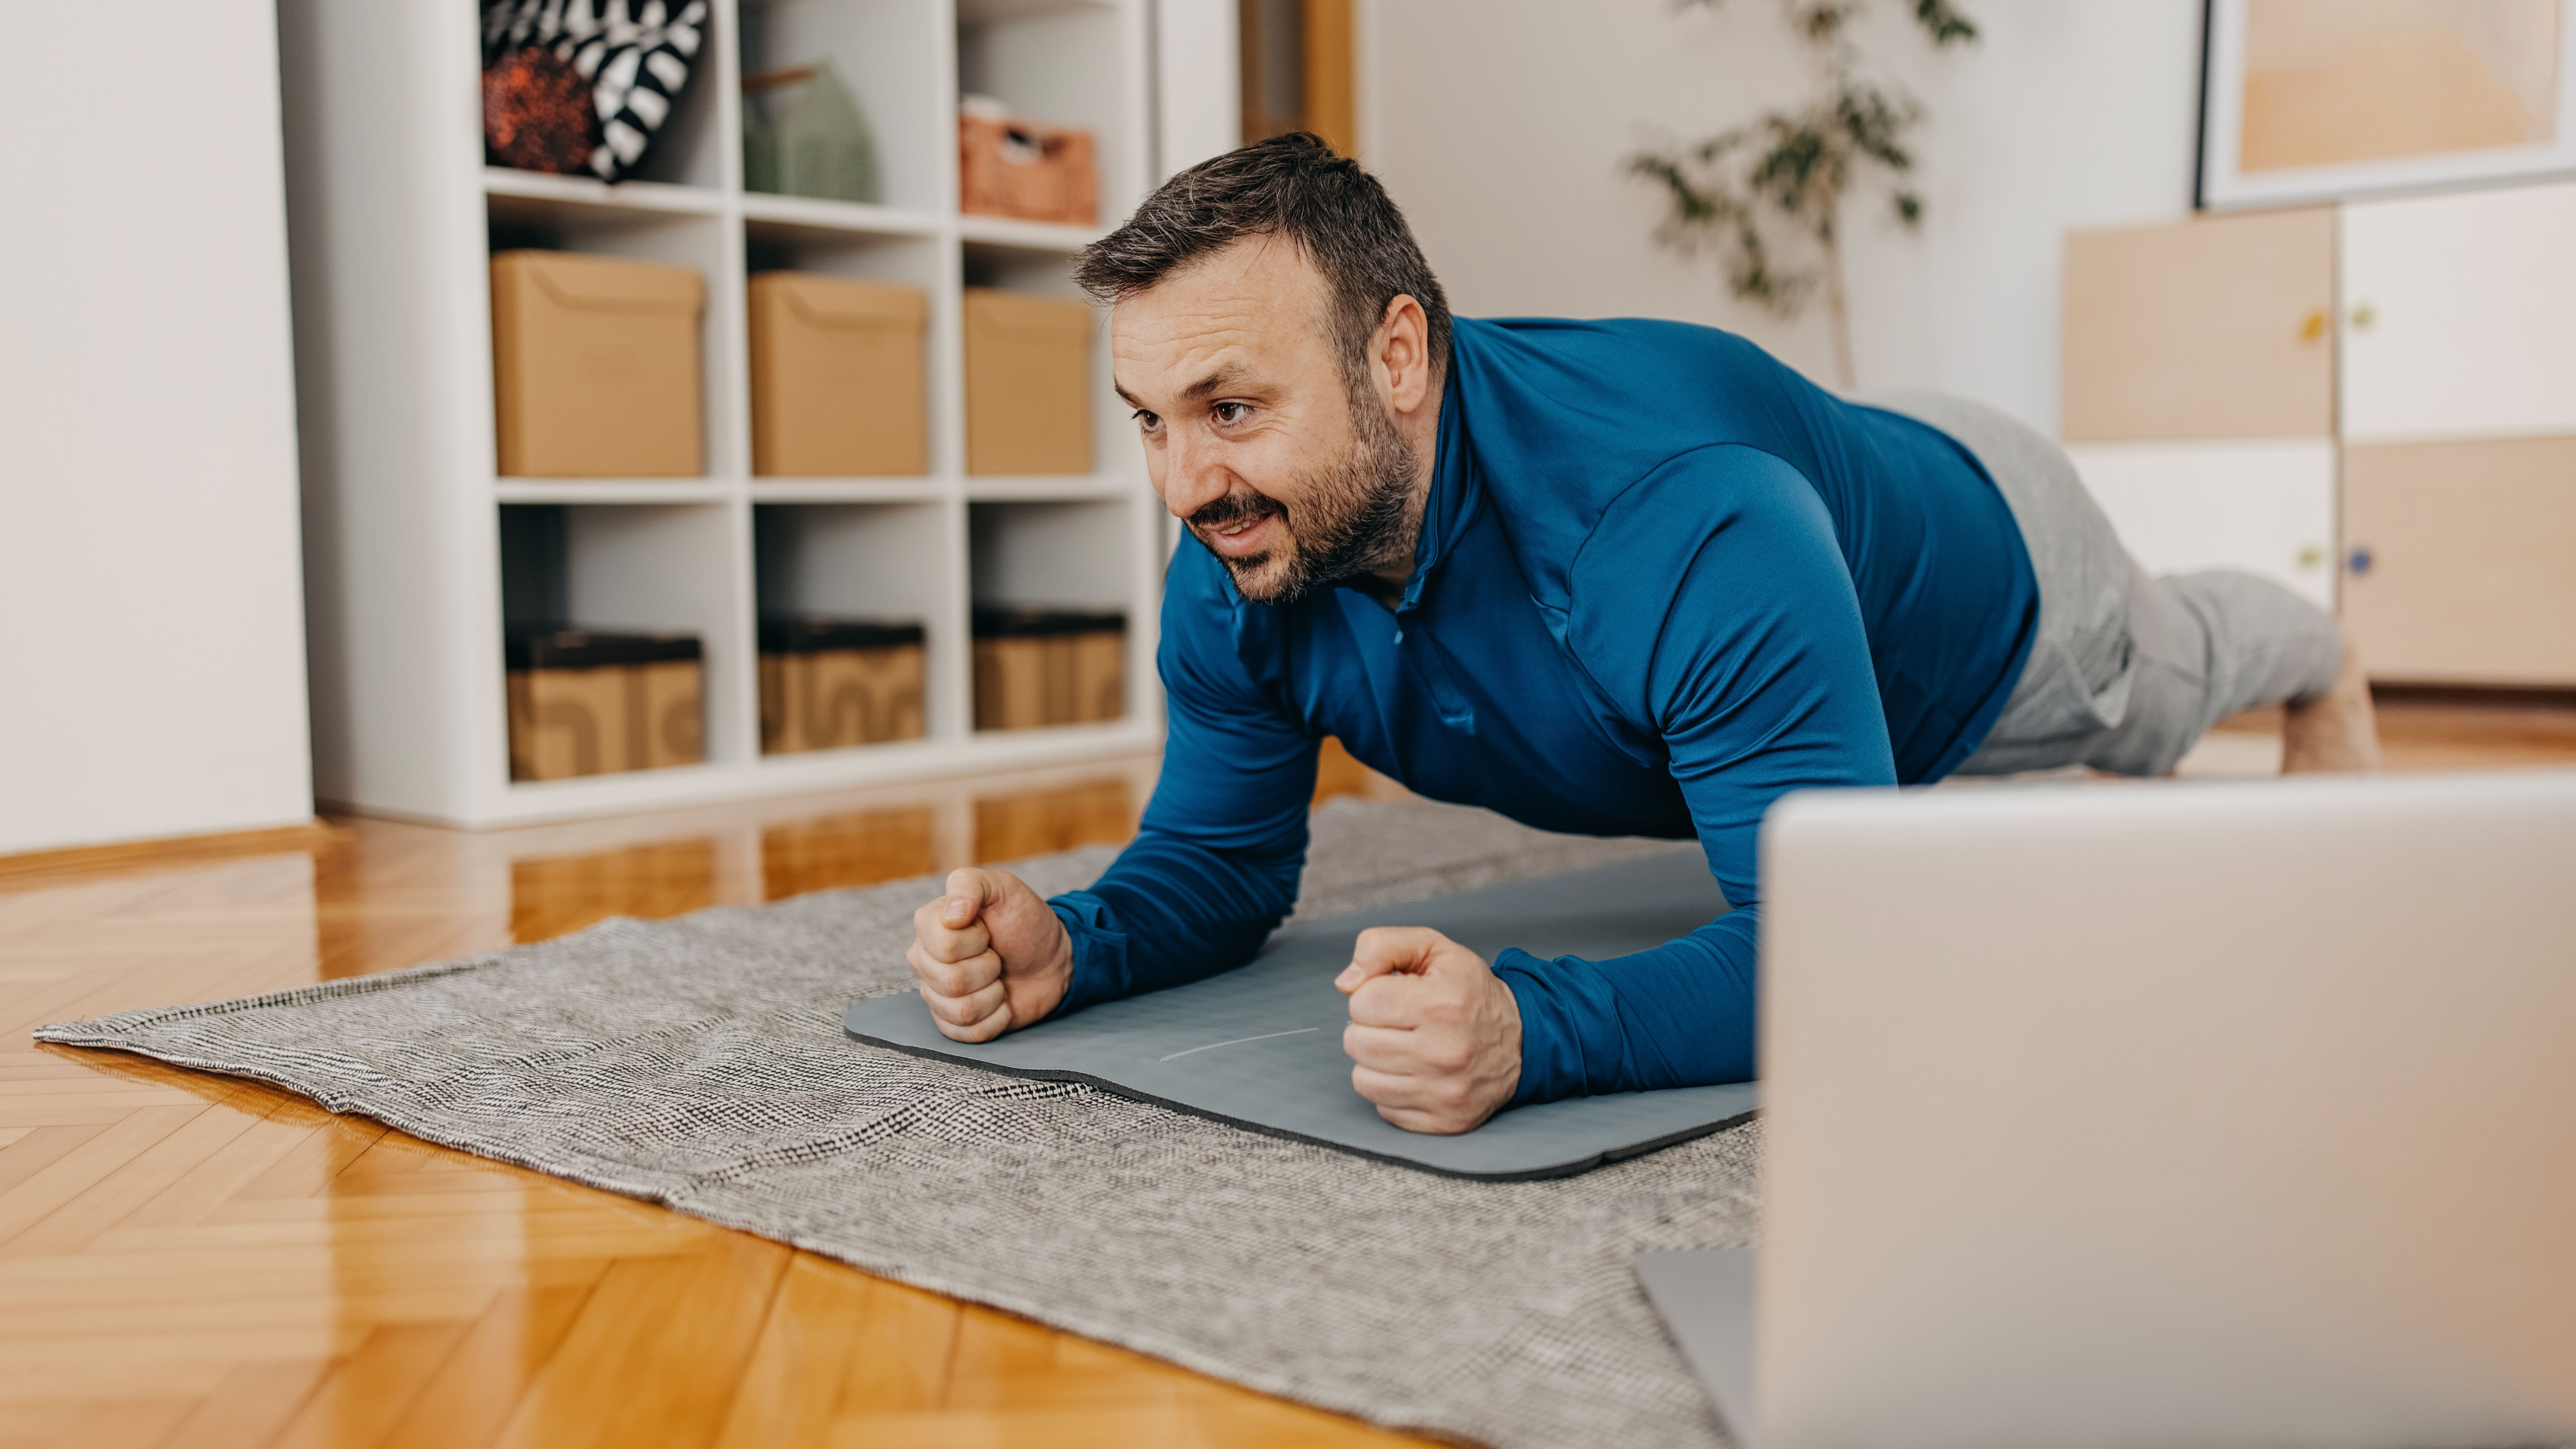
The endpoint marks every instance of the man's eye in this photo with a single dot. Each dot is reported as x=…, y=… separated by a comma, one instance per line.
x=1147, y=421
x=1229, y=413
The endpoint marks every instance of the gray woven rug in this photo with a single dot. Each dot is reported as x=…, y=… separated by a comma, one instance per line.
x=700, y=1063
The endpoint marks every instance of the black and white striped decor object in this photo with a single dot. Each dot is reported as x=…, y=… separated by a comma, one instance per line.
x=636, y=57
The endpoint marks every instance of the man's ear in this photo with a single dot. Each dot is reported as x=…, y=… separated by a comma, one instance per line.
x=1401, y=353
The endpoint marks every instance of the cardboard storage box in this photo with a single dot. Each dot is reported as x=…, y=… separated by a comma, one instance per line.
x=1028, y=383
x=584, y=702
x=836, y=377
x=1026, y=170
x=1048, y=667
x=828, y=684
x=595, y=366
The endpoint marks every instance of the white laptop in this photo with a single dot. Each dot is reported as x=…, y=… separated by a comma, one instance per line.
x=2213, y=1115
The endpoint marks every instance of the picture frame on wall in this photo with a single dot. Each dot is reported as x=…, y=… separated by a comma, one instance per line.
x=2317, y=100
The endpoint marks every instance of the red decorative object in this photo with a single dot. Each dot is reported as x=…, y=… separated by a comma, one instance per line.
x=537, y=114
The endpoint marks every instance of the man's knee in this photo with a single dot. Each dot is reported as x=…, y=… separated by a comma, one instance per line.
x=2265, y=643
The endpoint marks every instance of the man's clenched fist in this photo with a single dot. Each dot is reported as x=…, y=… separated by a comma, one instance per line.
x=1435, y=1035
x=990, y=955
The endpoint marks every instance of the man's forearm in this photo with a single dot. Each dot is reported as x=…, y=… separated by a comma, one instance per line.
x=1681, y=1015
x=1170, y=910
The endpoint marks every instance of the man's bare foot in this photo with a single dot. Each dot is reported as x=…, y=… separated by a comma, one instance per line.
x=2336, y=731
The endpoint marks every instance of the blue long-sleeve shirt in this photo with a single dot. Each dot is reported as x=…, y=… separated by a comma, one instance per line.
x=1662, y=579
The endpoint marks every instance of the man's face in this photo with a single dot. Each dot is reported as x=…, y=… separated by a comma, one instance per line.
x=1251, y=432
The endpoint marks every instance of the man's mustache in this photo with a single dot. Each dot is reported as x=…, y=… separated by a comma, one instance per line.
x=1233, y=508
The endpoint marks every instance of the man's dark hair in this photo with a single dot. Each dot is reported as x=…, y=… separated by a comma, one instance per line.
x=1290, y=186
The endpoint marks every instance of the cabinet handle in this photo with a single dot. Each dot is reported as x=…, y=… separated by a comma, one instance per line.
x=2360, y=561
x=2364, y=316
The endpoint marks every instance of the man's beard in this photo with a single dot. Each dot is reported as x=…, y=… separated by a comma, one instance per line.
x=1354, y=516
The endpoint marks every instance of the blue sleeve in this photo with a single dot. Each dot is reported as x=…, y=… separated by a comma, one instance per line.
x=1755, y=670
x=1214, y=865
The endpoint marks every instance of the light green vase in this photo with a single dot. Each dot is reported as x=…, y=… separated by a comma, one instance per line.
x=819, y=144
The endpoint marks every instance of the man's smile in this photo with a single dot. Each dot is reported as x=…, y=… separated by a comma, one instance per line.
x=1242, y=537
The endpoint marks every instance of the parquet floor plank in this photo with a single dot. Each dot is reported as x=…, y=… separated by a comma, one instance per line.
x=469, y=1401
x=36, y=1148
x=365, y=1394
x=836, y=1342
x=496, y=1197
x=125, y=1137
x=145, y=1363
x=143, y=1177
x=310, y=1167
x=252, y=1405
x=33, y=1424
x=318, y=1305
x=127, y=1424
x=654, y=1352
x=211, y=1185
x=203, y=1262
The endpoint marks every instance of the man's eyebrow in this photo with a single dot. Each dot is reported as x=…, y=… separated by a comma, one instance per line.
x=1208, y=386
x=1212, y=384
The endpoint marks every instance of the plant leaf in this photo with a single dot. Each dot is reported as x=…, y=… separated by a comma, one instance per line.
x=1943, y=22
x=1779, y=180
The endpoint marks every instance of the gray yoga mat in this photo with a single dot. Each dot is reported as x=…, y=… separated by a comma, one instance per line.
x=1261, y=1046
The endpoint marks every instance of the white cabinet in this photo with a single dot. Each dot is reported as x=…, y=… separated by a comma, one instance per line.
x=2459, y=315
x=2193, y=407
x=2264, y=506
x=2209, y=328
x=2461, y=560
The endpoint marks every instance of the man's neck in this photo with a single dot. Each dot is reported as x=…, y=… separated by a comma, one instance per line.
x=1422, y=430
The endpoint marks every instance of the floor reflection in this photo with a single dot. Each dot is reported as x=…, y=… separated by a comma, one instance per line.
x=549, y=897
x=840, y=851
x=1008, y=827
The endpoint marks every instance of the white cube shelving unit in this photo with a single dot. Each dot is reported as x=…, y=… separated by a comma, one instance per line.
x=394, y=219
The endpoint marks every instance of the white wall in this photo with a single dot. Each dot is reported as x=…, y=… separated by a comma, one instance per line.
x=1499, y=126
x=1199, y=93
x=151, y=616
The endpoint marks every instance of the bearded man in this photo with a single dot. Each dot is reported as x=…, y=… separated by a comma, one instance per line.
x=1614, y=578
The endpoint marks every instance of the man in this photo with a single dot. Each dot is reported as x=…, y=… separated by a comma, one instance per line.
x=1606, y=577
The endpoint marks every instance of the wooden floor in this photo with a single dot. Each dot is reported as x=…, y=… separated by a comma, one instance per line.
x=191, y=1261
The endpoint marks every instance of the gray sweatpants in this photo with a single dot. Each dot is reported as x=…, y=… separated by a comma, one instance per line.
x=2128, y=671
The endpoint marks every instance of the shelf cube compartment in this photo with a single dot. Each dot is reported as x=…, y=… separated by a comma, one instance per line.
x=1037, y=667
x=617, y=634
x=883, y=58
x=1056, y=65
x=1015, y=168
x=595, y=366
x=848, y=593
x=838, y=385
x=1050, y=618
x=1028, y=383
x=803, y=135
x=830, y=684
x=541, y=109
x=584, y=702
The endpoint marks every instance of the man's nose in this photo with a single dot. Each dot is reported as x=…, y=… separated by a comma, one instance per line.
x=1194, y=474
